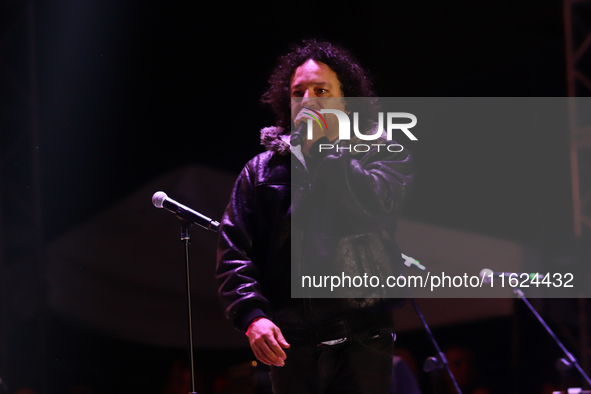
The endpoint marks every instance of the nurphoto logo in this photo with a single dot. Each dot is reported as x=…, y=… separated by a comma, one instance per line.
x=345, y=129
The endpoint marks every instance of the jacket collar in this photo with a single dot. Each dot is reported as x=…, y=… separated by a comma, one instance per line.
x=275, y=139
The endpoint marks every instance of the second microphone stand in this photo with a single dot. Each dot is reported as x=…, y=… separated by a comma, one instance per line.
x=434, y=364
x=570, y=361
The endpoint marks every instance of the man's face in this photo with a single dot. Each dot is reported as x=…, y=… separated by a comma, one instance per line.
x=312, y=85
x=315, y=79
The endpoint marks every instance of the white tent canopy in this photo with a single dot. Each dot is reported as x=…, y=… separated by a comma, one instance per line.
x=122, y=272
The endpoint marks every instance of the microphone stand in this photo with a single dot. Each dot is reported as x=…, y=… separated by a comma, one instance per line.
x=569, y=357
x=186, y=240
x=188, y=217
x=434, y=364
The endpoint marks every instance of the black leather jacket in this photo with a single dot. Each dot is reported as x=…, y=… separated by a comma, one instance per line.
x=258, y=239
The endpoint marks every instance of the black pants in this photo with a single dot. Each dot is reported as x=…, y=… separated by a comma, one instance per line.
x=348, y=368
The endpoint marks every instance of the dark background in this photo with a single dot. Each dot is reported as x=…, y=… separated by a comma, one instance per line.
x=131, y=90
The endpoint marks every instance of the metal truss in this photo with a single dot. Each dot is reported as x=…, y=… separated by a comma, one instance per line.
x=577, y=25
x=21, y=273
x=577, y=22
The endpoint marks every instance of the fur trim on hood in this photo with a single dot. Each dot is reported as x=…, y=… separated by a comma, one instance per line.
x=274, y=139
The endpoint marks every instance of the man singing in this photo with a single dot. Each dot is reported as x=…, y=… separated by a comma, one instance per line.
x=299, y=207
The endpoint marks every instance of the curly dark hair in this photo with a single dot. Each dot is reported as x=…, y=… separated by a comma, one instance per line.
x=354, y=80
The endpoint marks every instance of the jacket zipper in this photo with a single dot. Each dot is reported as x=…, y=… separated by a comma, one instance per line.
x=307, y=301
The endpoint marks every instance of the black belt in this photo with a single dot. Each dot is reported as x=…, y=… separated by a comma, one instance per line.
x=353, y=328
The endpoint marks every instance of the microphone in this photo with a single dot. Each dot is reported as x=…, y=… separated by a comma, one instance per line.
x=409, y=261
x=486, y=273
x=161, y=200
x=297, y=136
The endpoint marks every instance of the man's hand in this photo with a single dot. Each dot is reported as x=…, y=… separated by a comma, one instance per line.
x=266, y=341
x=317, y=131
